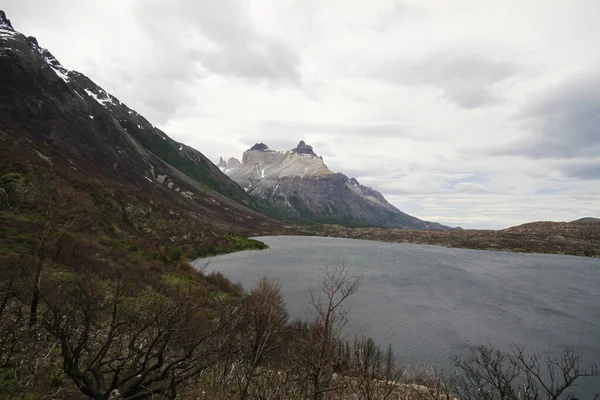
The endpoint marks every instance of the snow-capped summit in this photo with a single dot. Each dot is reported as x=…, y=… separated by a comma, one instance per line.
x=296, y=184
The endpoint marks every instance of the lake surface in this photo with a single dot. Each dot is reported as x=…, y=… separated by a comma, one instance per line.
x=431, y=302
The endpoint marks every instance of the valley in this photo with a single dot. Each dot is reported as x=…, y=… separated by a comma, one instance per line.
x=115, y=283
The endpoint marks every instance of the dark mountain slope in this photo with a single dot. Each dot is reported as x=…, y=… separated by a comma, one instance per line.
x=64, y=140
x=65, y=109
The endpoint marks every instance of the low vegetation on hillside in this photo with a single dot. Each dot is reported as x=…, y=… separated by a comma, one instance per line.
x=97, y=300
x=572, y=238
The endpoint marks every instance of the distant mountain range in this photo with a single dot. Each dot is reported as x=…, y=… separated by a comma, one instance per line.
x=297, y=185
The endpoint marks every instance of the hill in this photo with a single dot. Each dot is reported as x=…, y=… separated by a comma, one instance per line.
x=586, y=220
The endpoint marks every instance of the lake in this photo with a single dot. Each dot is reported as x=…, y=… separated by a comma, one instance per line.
x=431, y=302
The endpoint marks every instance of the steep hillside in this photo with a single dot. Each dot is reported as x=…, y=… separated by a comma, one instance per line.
x=62, y=133
x=66, y=110
x=297, y=185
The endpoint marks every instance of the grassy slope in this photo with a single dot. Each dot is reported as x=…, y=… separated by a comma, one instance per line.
x=119, y=218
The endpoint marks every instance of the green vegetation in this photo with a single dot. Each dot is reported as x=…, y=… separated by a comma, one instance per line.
x=190, y=162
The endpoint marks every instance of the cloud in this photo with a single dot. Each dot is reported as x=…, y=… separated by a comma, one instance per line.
x=471, y=187
x=376, y=129
x=586, y=170
x=416, y=182
x=564, y=121
x=221, y=36
x=468, y=79
x=390, y=17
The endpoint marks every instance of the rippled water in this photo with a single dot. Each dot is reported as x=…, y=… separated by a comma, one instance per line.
x=432, y=302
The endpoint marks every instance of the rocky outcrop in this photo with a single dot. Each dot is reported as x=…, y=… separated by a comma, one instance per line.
x=260, y=147
x=303, y=148
x=5, y=22
x=297, y=185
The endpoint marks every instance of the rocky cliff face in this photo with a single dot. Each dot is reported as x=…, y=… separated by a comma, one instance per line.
x=297, y=185
x=63, y=112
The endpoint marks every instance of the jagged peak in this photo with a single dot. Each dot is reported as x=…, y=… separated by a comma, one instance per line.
x=5, y=22
x=233, y=162
x=304, y=148
x=259, y=147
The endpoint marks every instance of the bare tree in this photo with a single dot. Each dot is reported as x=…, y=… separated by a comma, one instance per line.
x=59, y=217
x=374, y=372
x=118, y=343
x=560, y=373
x=13, y=314
x=321, y=357
x=431, y=384
x=264, y=323
x=490, y=374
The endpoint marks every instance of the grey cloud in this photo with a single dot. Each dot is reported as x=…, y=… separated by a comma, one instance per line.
x=272, y=63
x=158, y=90
x=583, y=171
x=564, y=122
x=224, y=39
x=399, y=11
x=468, y=79
x=381, y=129
x=471, y=187
x=187, y=41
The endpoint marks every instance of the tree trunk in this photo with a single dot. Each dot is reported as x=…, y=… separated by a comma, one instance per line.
x=35, y=300
x=317, y=395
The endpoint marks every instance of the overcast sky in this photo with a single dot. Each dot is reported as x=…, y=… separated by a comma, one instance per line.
x=468, y=112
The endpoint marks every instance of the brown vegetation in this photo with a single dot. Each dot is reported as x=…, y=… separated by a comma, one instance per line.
x=120, y=339
x=581, y=239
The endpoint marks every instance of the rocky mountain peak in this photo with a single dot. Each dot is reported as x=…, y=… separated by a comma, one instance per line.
x=304, y=148
x=5, y=22
x=259, y=147
x=233, y=162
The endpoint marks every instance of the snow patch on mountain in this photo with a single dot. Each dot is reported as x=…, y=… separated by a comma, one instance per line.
x=102, y=101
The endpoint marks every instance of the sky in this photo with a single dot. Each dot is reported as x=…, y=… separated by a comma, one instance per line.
x=472, y=113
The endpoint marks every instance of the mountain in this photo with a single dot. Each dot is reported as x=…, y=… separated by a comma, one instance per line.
x=586, y=220
x=297, y=185
x=56, y=123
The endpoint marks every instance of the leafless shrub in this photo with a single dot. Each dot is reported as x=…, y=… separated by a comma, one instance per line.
x=321, y=356
x=118, y=342
x=490, y=374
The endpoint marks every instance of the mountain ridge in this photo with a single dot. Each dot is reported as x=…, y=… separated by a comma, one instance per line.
x=297, y=185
